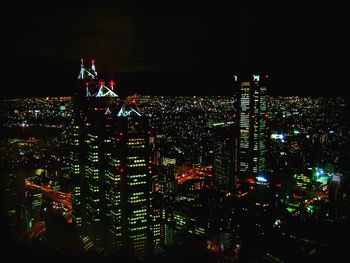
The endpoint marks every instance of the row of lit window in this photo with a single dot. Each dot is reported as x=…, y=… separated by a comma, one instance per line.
x=135, y=139
x=92, y=136
x=136, y=165
x=136, y=195
x=137, y=176
x=136, y=146
x=140, y=161
x=138, y=217
x=114, y=177
x=115, y=197
x=137, y=201
x=135, y=143
x=116, y=214
x=132, y=157
x=138, y=237
x=138, y=228
x=137, y=183
x=133, y=222
x=118, y=234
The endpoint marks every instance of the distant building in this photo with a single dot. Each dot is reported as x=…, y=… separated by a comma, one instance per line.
x=225, y=151
x=167, y=181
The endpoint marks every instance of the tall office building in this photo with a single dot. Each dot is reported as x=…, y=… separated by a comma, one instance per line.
x=225, y=166
x=252, y=124
x=128, y=182
x=87, y=76
x=110, y=156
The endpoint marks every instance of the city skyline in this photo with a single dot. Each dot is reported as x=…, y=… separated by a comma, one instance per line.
x=307, y=140
x=207, y=133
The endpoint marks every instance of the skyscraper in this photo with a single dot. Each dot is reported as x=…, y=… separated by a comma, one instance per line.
x=110, y=154
x=128, y=182
x=225, y=166
x=252, y=125
x=87, y=76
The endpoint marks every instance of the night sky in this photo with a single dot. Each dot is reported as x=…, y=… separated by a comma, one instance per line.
x=177, y=50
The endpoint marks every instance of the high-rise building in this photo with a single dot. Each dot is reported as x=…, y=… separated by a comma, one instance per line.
x=110, y=158
x=76, y=137
x=225, y=150
x=128, y=182
x=252, y=124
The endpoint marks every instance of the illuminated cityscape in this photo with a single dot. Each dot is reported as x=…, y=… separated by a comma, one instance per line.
x=174, y=138
x=222, y=178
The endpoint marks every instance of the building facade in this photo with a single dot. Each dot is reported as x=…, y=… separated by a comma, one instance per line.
x=252, y=125
x=110, y=164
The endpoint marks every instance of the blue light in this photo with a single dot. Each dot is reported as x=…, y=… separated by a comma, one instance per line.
x=278, y=136
x=261, y=179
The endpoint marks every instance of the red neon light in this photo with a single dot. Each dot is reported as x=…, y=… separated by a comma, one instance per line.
x=133, y=101
x=111, y=83
x=92, y=61
x=101, y=82
x=87, y=83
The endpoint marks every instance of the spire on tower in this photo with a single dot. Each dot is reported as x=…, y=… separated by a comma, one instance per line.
x=111, y=84
x=87, y=73
x=129, y=107
x=104, y=91
x=93, y=67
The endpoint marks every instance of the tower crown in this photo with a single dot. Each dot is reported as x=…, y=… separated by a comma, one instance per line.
x=85, y=73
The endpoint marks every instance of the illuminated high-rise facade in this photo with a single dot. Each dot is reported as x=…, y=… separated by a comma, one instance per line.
x=252, y=125
x=110, y=156
x=128, y=185
x=225, y=166
x=76, y=138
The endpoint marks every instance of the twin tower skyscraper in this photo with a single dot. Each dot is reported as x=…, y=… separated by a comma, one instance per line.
x=240, y=148
x=110, y=165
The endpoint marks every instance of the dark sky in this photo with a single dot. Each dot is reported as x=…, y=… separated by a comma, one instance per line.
x=177, y=49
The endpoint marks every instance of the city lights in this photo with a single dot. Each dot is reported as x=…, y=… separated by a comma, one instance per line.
x=156, y=177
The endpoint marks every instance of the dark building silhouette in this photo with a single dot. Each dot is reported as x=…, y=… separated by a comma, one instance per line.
x=226, y=150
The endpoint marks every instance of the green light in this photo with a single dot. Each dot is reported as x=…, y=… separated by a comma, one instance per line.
x=296, y=132
x=310, y=209
x=290, y=209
